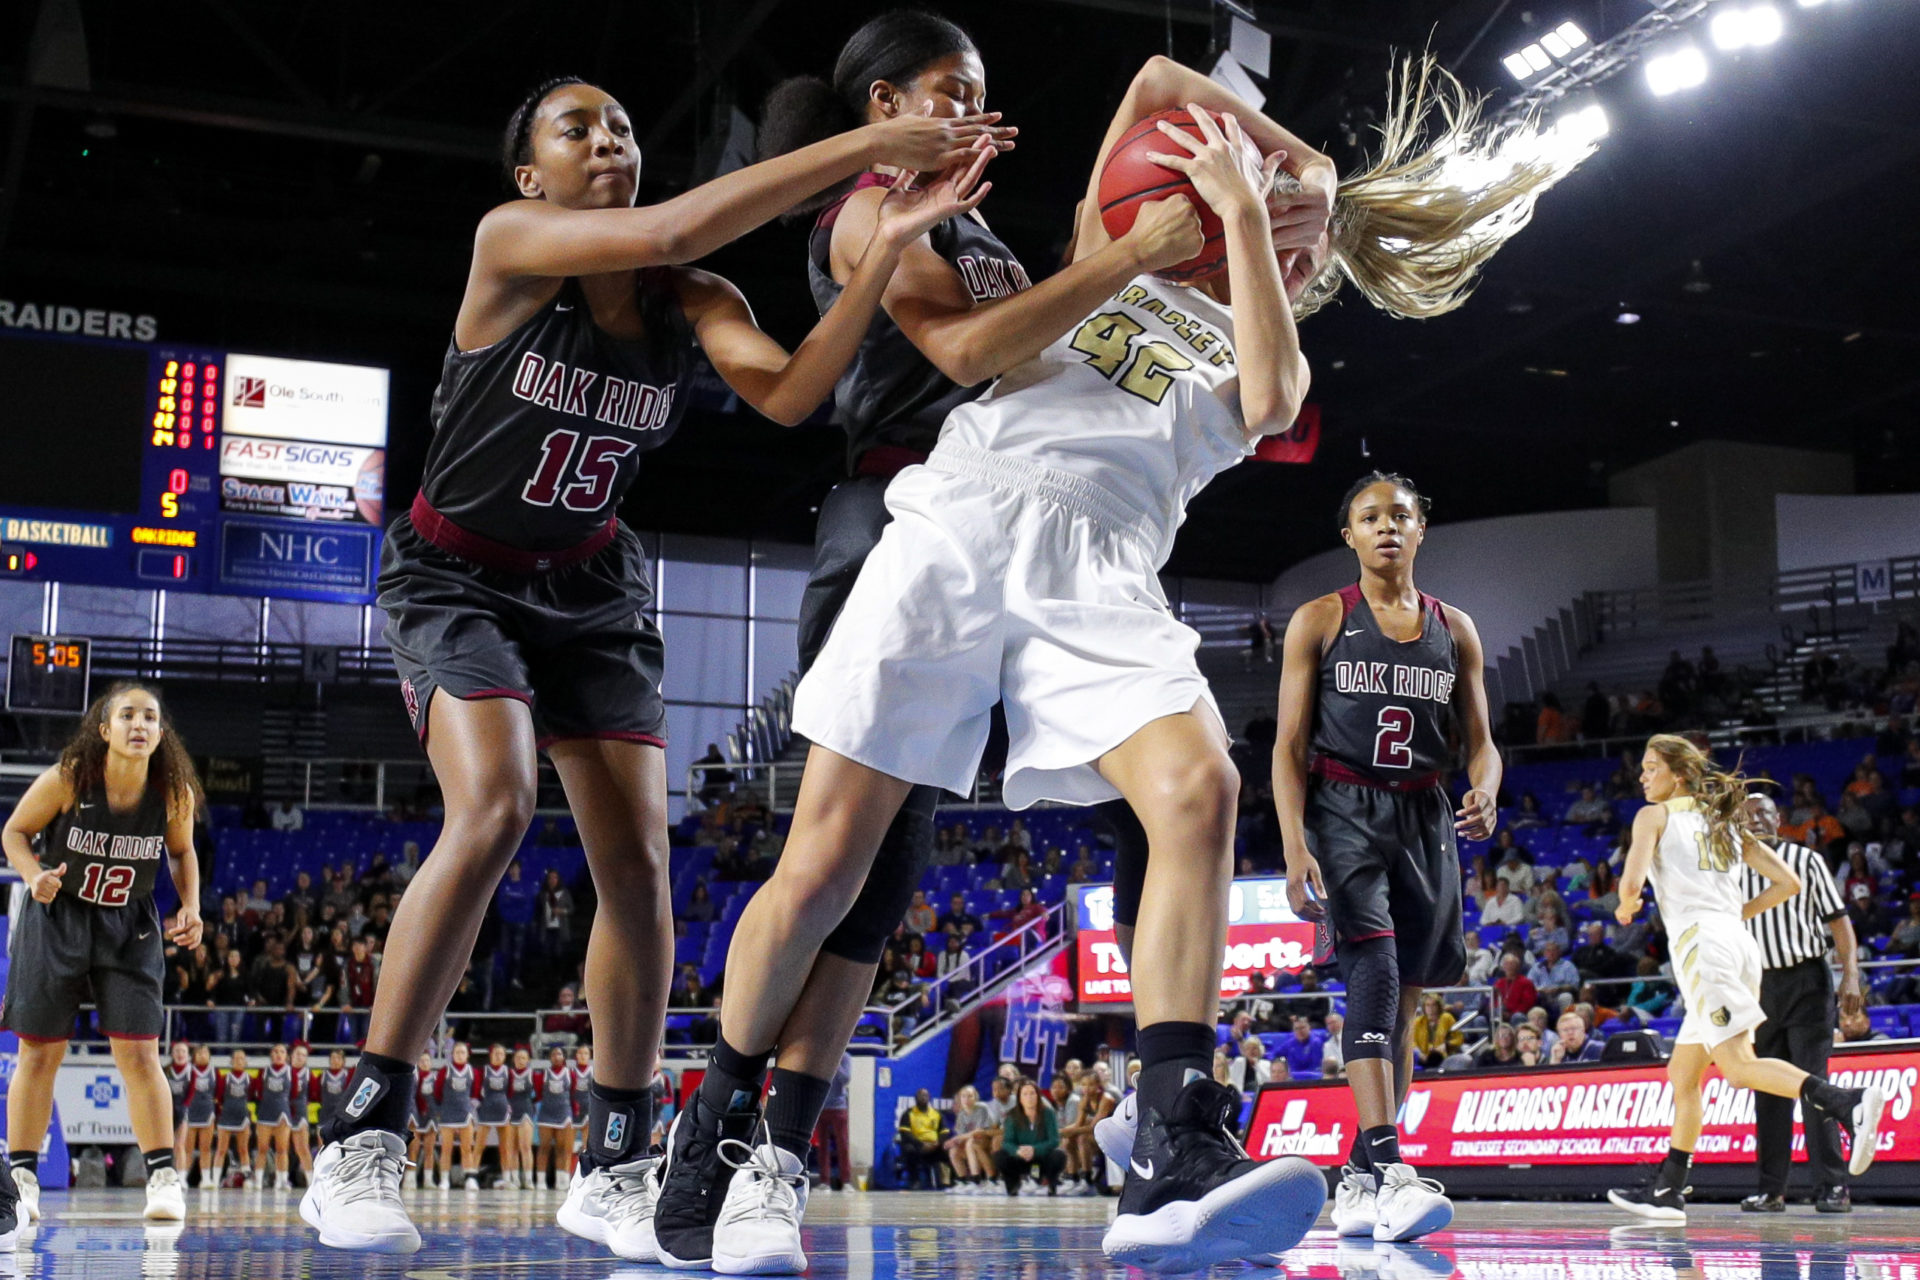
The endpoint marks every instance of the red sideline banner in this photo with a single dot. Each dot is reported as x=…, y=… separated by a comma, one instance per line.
x=1564, y=1116
x=1263, y=935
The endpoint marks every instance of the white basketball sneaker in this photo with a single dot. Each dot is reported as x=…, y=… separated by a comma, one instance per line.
x=1408, y=1206
x=166, y=1200
x=758, y=1230
x=1354, y=1209
x=29, y=1183
x=354, y=1199
x=1115, y=1134
x=614, y=1207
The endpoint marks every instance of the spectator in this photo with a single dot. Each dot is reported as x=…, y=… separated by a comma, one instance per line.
x=958, y=920
x=1819, y=831
x=1502, y=1051
x=1554, y=977
x=568, y=1018
x=1249, y=1069
x=229, y=989
x=922, y=1136
x=550, y=836
x=288, y=816
x=1601, y=898
x=907, y=998
x=1548, y=914
x=700, y=908
x=1904, y=942
x=1504, y=907
x=688, y=992
x=1480, y=962
x=1333, y=1055
x=1529, y=814
x=1574, y=1044
x=340, y=895
x=1281, y=1073
x=1856, y=1028
x=953, y=968
x=969, y=1117
x=301, y=897
x=1596, y=714
x=1593, y=957
x=1081, y=871
x=1513, y=991
x=987, y=1136
x=1552, y=726
x=1222, y=1068
x=1300, y=1051
x=1019, y=836
x=715, y=782
x=403, y=870
x=1480, y=881
x=1539, y=1019
x=1649, y=995
x=1513, y=867
x=917, y=958
x=921, y=918
x=1092, y=1106
x=1018, y=873
x=1527, y=1042
x=257, y=904
x=555, y=915
x=1854, y=817
x=358, y=979
x=1590, y=811
x=1434, y=1039
x=1028, y=911
x=1030, y=1142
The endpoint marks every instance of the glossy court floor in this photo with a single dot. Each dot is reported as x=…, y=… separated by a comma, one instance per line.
x=499, y=1235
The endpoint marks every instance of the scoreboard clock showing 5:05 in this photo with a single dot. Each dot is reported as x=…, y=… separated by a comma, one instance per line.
x=48, y=674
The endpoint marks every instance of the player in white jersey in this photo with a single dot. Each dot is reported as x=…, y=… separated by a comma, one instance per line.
x=1690, y=841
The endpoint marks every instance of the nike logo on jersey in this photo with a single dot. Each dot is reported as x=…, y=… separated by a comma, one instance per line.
x=142, y=937
x=563, y=306
x=1360, y=631
x=84, y=805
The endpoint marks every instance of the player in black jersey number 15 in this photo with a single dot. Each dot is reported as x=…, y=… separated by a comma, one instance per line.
x=517, y=606
x=1376, y=681
x=121, y=799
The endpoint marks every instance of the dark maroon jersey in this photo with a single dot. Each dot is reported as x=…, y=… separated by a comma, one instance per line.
x=537, y=437
x=112, y=858
x=1385, y=706
x=892, y=394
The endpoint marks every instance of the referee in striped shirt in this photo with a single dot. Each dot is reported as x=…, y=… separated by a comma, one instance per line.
x=1796, y=994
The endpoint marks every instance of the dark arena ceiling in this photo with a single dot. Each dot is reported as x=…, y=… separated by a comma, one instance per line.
x=304, y=178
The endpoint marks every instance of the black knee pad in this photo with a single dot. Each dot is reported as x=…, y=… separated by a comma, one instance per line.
x=1371, y=970
x=1117, y=819
x=906, y=851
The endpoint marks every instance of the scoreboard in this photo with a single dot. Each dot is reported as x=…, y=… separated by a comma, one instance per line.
x=191, y=468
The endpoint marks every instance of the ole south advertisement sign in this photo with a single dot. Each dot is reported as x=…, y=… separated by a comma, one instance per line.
x=1263, y=936
x=1567, y=1116
x=305, y=400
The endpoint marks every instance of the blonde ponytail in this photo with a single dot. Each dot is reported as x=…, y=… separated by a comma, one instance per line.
x=1721, y=796
x=1414, y=228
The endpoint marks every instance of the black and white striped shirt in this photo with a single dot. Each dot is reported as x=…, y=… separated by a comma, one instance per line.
x=1796, y=930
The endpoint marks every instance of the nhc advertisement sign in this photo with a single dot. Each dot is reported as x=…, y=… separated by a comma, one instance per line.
x=306, y=400
x=1263, y=936
x=1563, y=1116
x=279, y=558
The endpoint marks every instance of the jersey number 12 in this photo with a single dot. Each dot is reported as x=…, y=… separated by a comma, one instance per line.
x=106, y=886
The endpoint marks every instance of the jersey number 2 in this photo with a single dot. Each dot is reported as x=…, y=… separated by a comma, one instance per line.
x=1390, y=749
x=595, y=470
x=106, y=886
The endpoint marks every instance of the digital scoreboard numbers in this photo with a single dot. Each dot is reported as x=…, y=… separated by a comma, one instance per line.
x=47, y=675
x=180, y=470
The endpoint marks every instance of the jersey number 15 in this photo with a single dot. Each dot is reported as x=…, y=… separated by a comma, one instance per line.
x=594, y=471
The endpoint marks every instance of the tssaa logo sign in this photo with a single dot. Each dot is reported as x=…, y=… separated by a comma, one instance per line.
x=272, y=558
x=1263, y=936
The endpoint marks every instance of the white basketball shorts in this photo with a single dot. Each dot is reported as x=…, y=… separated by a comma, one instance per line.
x=1001, y=580
x=1718, y=965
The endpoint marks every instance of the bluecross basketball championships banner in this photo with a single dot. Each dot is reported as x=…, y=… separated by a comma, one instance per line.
x=1563, y=1116
x=1263, y=936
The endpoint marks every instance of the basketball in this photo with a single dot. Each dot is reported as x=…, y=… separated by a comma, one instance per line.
x=1129, y=179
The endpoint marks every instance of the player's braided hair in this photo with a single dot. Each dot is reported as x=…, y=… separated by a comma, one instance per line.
x=83, y=761
x=516, y=148
x=1372, y=478
x=895, y=46
x=1721, y=795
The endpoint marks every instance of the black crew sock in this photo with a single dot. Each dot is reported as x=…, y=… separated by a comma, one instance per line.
x=377, y=1098
x=1357, y=1159
x=1383, y=1146
x=1172, y=1056
x=158, y=1158
x=732, y=1082
x=1673, y=1170
x=1829, y=1097
x=28, y=1160
x=619, y=1122
x=793, y=1108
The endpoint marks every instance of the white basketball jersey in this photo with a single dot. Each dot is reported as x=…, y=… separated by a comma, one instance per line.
x=1142, y=398
x=1693, y=875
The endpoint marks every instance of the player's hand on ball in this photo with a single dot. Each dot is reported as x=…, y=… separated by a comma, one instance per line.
x=1475, y=818
x=1223, y=168
x=1166, y=233
x=909, y=211
x=926, y=143
x=186, y=928
x=46, y=885
x=1297, y=214
x=1306, y=891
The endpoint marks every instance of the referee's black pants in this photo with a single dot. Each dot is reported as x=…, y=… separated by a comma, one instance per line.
x=1798, y=1002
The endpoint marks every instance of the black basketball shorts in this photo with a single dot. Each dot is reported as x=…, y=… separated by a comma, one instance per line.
x=67, y=953
x=577, y=644
x=1391, y=867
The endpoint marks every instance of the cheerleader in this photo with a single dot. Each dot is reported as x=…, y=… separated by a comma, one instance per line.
x=422, y=1114
x=553, y=1115
x=495, y=1114
x=454, y=1093
x=519, y=1129
x=232, y=1092
x=202, y=1088
x=179, y=1071
x=273, y=1118
x=306, y=1089
x=332, y=1087
x=580, y=1076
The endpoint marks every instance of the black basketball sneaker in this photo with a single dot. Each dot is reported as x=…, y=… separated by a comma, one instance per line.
x=1194, y=1197
x=1654, y=1202
x=694, y=1181
x=9, y=1210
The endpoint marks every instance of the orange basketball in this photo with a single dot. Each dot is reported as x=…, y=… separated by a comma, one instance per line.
x=1130, y=180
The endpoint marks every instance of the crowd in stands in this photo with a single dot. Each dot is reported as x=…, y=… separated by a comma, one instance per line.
x=1025, y=1138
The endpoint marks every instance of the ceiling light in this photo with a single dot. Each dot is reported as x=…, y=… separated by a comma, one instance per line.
x=1571, y=33
x=1627, y=317
x=1745, y=27
x=1516, y=66
x=1581, y=125
x=1677, y=67
x=1557, y=45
